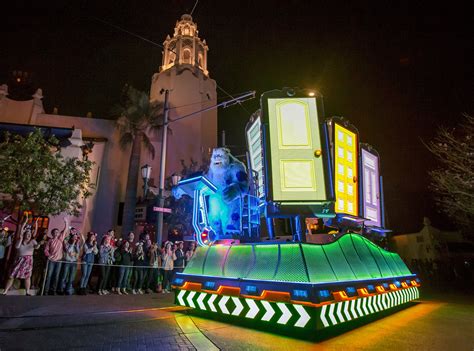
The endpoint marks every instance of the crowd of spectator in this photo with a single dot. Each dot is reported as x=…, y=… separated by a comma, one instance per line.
x=112, y=265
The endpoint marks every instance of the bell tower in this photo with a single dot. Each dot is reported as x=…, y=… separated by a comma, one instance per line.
x=184, y=73
x=185, y=47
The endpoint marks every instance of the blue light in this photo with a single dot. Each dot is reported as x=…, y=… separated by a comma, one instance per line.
x=371, y=288
x=351, y=290
x=251, y=289
x=300, y=293
x=397, y=284
x=210, y=285
x=179, y=281
x=385, y=285
x=324, y=294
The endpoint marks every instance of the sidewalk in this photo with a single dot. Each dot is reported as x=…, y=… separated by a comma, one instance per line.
x=92, y=322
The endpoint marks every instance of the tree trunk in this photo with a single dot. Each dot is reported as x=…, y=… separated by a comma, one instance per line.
x=128, y=223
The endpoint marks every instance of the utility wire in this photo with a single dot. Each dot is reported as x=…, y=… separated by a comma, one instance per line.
x=162, y=47
x=194, y=7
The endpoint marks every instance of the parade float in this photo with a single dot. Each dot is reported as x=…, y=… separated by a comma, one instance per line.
x=299, y=166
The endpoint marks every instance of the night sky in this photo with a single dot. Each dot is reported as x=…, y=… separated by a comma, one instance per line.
x=396, y=70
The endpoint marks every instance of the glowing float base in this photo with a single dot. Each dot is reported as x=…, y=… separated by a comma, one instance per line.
x=295, y=285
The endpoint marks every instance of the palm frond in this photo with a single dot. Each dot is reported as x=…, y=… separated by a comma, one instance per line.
x=148, y=145
x=125, y=140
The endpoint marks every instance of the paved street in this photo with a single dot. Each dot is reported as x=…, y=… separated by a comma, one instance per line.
x=151, y=322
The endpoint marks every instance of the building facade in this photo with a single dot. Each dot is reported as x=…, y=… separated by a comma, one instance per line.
x=191, y=89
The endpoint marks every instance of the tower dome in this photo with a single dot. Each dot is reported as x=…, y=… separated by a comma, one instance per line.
x=185, y=47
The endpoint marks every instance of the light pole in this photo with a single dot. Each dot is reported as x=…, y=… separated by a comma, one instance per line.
x=164, y=143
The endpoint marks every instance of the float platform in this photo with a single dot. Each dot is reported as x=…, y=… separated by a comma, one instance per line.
x=298, y=285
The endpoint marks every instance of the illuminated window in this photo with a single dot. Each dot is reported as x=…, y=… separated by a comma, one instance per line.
x=187, y=56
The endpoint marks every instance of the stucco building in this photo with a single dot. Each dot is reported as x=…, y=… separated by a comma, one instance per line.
x=184, y=73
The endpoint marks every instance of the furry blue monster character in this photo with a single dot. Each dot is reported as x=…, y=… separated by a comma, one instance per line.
x=224, y=207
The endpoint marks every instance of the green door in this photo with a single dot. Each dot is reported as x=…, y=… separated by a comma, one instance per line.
x=295, y=144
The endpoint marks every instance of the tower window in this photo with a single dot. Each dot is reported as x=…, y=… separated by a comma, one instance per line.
x=187, y=56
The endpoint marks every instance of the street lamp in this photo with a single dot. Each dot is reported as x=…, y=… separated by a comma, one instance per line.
x=175, y=179
x=146, y=173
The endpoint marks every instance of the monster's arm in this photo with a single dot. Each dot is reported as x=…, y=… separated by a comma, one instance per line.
x=239, y=183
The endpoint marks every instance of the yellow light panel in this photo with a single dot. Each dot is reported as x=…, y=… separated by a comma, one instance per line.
x=346, y=176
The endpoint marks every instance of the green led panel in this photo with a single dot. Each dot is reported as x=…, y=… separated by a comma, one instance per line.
x=215, y=260
x=391, y=263
x=291, y=268
x=401, y=265
x=266, y=260
x=338, y=261
x=366, y=257
x=319, y=268
x=383, y=266
x=353, y=258
x=239, y=260
x=196, y=264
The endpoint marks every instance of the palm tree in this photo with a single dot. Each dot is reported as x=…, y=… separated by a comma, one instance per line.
x=138, y=118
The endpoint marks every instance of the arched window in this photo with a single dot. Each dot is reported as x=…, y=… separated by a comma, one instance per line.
x=187, y=56
x=172, y=58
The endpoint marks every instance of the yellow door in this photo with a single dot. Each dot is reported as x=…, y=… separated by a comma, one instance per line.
x=345, y=169
x=295, y=143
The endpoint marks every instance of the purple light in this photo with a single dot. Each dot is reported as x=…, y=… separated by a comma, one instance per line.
x=371, y=188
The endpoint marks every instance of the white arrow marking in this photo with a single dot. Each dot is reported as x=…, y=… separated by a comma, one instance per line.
x=353, y=308
x=380, y=300
x=180, y=297
x=384, y=301
x=339, y=310
x=238, y=306
x=210, y=302
x=222, y=303
x=200, y=301
x=304, y=316
x=359, y=310
x=398, y=297
x=269, y=311
x=364, y=305
x=409, y=294
x=346, y=310
x=391, y=297
x=323, y=316
x=374, y=303
x=331, y=314
x=253, y=309
x=404, y=296
x=190, y=299
x=417, y=293
x=369, y=304
x=286, y=313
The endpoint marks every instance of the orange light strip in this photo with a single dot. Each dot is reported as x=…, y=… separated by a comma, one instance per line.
x=278, y=296
x=363, y=292
x=192, y=286
x=404, y=284
x=393, y=287
x=228, y=290
x=380, y=289
x=342, y=296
